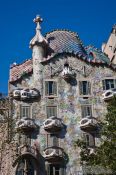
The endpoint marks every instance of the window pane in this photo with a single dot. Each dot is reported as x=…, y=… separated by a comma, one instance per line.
x=90, y=140
x=50, y=88
x=25, y=111
x=108, y=84
x=54, y=170
x=51, y=111
x=25, y=167
x=86, y=110
x=84, y=87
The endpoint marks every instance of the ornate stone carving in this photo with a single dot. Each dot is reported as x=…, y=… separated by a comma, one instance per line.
x=53, y=124
x=25, y=125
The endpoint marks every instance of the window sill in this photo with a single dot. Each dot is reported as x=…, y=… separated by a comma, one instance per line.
x=85, y=96
x=51, y=96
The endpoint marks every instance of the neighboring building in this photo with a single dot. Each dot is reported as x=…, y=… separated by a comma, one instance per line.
x=57, y=98
x=109, y=48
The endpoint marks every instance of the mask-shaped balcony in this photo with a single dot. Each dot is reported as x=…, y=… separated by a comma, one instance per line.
x=26, y=94
x=16, y=94
x=54, y=154
x=53, y=124
x=67, y=72
x=108, y=95
x=88, y=124
x=25, y=125
x=26, y=149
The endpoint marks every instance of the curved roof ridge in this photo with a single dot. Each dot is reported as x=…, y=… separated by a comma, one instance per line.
x=97, y=54
x=66, y=30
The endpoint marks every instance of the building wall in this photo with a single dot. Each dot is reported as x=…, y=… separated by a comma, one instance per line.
x=68, y=102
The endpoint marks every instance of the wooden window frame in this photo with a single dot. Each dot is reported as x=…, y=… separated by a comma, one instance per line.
x=51, y=106
x=52, y=168
x=104, y=83
x=21, y=111
x=80, y=88
x=46, y=94
x=89, y=139
x=86, y=105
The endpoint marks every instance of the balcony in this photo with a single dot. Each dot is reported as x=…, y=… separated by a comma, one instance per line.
x=88, y=124
x=26, y=125
x=54, y=154
x=26, y=149
x=53, y=124
x=67, y=72
x=25, y=94
x=108, y=95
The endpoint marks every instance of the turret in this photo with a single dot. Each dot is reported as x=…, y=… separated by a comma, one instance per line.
x=38, y=45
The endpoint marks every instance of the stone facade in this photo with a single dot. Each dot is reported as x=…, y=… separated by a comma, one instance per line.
x=69, y=87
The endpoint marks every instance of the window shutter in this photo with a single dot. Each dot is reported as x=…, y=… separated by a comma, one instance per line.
x=46, y=88
x=91, y=141
x=103, y=82
x=51, y=111
x=48, y=111
x=55, y=141
x=82, y=111
x=55, y=111
x=54, y=88
x=88, y=111
x=48, y=169
x=115, y=83
x=89, y=88
x=80, y=88
x=48, y=141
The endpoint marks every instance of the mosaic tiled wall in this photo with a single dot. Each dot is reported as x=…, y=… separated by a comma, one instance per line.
x=68, y=101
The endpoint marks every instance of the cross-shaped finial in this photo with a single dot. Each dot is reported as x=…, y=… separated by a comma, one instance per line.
x=38, y=19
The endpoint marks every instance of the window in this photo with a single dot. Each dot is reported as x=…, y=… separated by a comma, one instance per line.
x=24, y=139
x=52, y=140
x=109, y=84
x=84, y=88
x=55, y=170
x=51, y=111
x=25, y=111
x=50, y=88
x=90, y=140
x=86, y=110
x=25, y=166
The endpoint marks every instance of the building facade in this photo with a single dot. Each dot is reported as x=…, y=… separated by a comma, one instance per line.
x=56, y=99
x=109, y=48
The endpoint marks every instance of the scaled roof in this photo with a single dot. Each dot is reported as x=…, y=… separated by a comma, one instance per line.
x=65, y=41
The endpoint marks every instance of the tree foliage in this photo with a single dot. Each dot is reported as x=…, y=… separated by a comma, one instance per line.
x=105, y=154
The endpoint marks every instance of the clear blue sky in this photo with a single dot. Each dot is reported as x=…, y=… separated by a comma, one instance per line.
x=91, y=19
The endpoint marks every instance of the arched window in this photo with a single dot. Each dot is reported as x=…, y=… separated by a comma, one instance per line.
x=25, y=167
